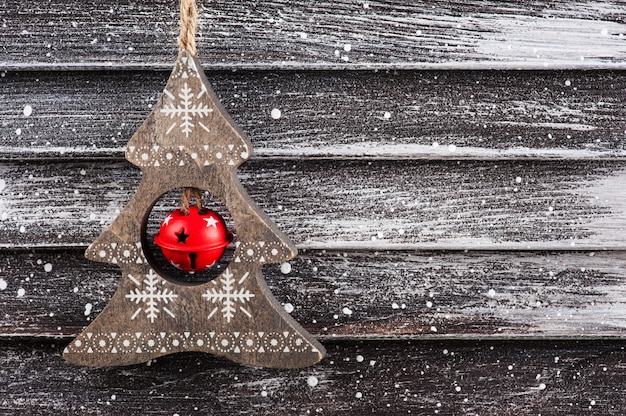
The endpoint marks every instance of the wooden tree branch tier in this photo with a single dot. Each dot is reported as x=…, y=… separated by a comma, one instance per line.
x=189, y=140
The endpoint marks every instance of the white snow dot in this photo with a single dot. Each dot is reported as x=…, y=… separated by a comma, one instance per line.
x=604, y=32
x=276, y=113
x=387, y=115
x=491, y=293
x=285, y=268
x=288, y=307
x=3, y=284
x=568, y=82
x=264, y=393
x=452, y=148
x=358, y=395
x=22, y=229
x=457, y=388
x=359, y=358
x=347, y=47
x=88, y=308
x=347, y=311
x=312, y=381
x=47, y=267
x=20, y=292
x=395, y=306
x=433, y=329
x=542, y=386
x=18, y=131
x=28, y=110
x=429, y=304
x=518, y=179
x=113, y=397
x=3, y=184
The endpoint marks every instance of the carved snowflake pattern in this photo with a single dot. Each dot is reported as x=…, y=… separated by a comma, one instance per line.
x=228, y=295
x=185, y=111
x=151, y=296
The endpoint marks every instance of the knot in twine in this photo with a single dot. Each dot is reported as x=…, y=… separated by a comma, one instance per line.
x=188, y=22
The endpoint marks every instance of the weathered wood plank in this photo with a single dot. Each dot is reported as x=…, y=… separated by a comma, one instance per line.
x=390, y=378
x=357, y=295
x=343, y=204
x=408, y=114
x=296, y=34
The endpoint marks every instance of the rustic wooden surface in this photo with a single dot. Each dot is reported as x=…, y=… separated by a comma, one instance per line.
x=65, y=34
x=449, y=378
x=477, y=213
x=340, y=204
x=359, y=294
x=334, y=114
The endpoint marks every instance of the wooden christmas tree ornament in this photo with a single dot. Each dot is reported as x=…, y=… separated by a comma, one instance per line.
x=189, y=141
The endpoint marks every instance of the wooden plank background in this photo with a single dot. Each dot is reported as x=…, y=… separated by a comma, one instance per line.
x=452, y=173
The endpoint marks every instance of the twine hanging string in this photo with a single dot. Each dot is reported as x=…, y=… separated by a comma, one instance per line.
x=185, y=200
x=187, y=42
x=188, y=22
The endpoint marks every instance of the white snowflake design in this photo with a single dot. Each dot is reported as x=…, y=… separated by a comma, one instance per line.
x=228, y=296
x=185, y=110
x=151, y=296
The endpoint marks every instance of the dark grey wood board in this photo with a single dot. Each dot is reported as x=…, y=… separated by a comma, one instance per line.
x=392, y=378
x=326, y=204
x=60, y=34
x=334, y=114
x=359, y=294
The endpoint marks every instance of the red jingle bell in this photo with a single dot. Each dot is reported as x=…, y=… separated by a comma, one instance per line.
x=193, y=242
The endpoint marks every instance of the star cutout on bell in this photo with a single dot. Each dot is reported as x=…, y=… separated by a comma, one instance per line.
x=211, y=222
x=182, y=237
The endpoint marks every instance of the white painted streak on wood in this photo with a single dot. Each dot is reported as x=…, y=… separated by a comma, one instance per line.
x=351, y=204
x=608, y=193
x=298, y=34
x=549, y=40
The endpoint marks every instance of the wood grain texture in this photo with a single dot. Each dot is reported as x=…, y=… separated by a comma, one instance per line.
x=350, y=204
x=339, y=34
x=360, y=294
x=391, y=378
x=337, y=114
